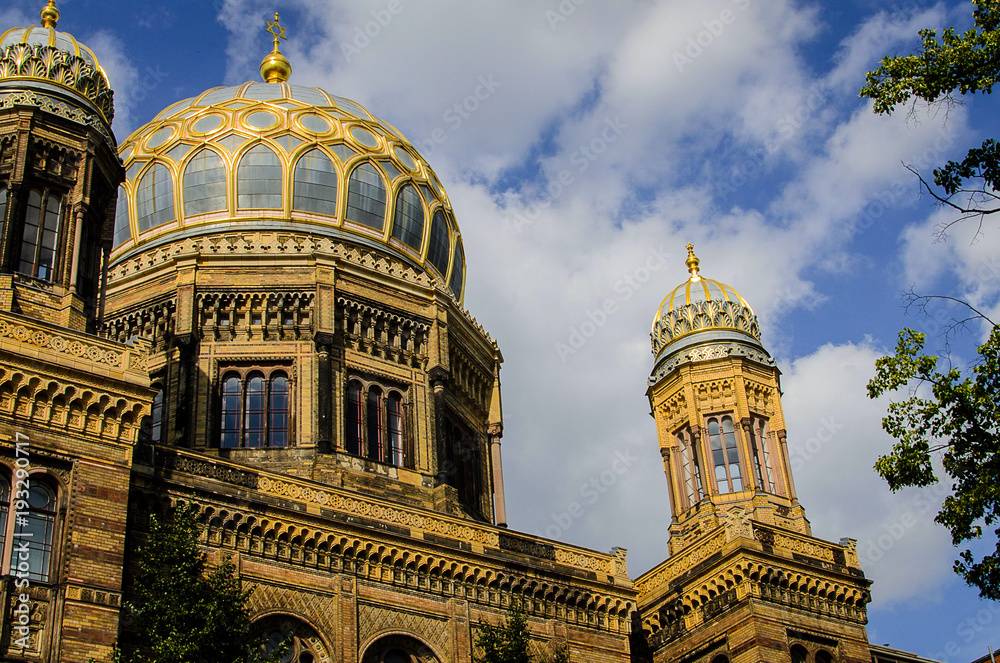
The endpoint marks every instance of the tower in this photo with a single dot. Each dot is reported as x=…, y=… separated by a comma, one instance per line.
x=745, y=581
x=70, y=402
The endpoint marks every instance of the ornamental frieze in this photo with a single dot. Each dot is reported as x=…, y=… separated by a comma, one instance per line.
x=53, y=64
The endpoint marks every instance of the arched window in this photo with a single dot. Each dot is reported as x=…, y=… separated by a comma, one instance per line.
x=408, y=221
x=760, y=450
x=457, y=270
x=255, y=412
x=462, y=462
x=823, y=656
x=366, y=197
x=354, y=418
x=123, y=231
x=376, y=425
x=37, y=528
x=4, y=510
x=315, y=184
x=720, y=659
x=278, y=411
x=437, y=253
x=799, y=654
x=154, y=198
x=725, y=455
x=258, y=179
x=156, y=417
x=41, y=230
x=204, y=183
x=231, y=399
x=374, y=418
x=690, y=467
x=394, y=421
x=3, y=209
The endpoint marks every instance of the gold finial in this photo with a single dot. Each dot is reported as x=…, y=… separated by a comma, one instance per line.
x=276, y=68
x=692, y=263
x=50, y=15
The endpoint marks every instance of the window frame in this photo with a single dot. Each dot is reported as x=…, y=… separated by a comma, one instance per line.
x=45, y=194
x=692, y=481
x=8, y=525
x=727, y=451
x=239, y=435
x=371, y=439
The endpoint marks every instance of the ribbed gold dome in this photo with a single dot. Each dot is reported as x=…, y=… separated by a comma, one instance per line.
x=286, y=158
x=701, y=305
x=44, y=67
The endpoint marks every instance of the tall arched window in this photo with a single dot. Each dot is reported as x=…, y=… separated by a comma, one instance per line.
x=255, y=408
x=354, y=418
x=760, y=450
x=3, y=209
x=278, y=411
x=823, y=656
x=123, y=231
x=376, y=425
x=799, y=654
x=366, y=197
x=725, y=454
x=204, y=183
x=315, y=184
x=437, y=253
x=156, y=417
x=408, y=220
x=457, y=270
x=394, y=428
x=37, y=528
x=690, y=467
x=232, y=396
x=154, y=198
x=41, y=230
x=258, y=179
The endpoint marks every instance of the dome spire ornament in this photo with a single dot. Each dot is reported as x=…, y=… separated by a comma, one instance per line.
x=692, y=263
x=50, y=15
x=275, y=67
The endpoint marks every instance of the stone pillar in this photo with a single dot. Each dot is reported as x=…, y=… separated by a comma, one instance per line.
x=499, y=499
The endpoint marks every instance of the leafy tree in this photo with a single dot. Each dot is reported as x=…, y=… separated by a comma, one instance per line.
x=960, y=418
x=948, y=414
x=509, y=642
x=964, y=63
x=181, y=614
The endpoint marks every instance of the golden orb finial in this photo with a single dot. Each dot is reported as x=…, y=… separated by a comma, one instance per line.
x=275, y=67
x=692, y=263
x=50, y=15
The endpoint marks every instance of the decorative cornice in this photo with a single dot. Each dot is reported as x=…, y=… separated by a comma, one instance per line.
x=53, y=65
x=702, y=316
x=707, y=352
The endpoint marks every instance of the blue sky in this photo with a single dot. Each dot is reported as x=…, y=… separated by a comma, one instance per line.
x=604, y=137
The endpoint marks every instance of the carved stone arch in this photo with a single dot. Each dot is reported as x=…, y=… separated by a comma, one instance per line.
x=399, y=648
x=305, y=643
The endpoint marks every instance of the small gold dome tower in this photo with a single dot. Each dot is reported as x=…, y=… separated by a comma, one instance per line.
x=275, y=68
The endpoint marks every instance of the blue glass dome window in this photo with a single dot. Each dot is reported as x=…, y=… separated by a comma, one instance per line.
x=315, y=184
x=204, y=184
x=123, y=232
x=408, y=222
x=366, y=197
x=258, y=179
x=154, y=198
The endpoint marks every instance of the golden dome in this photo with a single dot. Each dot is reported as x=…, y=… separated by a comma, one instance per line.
x=711, y=309
x=44, y=67
x=283, y=157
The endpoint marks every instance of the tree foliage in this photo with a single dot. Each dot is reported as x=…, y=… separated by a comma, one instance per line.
x=958, y=420
x=509, y=642
x=181, y=613
x=964, y=63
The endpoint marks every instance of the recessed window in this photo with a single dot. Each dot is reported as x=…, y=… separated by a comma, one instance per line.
x=123, y=232
x=693, y=489
x=34, y=528
x=154, y=198
x=760, y=452
x=366, y=197
x=258, y=179
x=725, y=454
x=204, y=184
x=408, y=221
x=3, y=209
x=437, y=254
x=255, y=408
x=315, y=184
x=40, y=234
x=374, y=417
x=462, y=467
x=156, y=416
